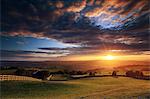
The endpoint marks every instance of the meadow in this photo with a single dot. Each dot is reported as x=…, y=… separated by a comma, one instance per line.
x=86, y=88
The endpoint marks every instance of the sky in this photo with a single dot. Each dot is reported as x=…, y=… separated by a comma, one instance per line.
x=48, y=30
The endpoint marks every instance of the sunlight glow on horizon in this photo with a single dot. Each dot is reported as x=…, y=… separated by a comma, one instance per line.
x=109, y=57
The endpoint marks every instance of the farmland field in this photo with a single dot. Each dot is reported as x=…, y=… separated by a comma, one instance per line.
x=87, y=88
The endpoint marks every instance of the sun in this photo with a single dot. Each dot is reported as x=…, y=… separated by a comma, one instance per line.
x=109, y=57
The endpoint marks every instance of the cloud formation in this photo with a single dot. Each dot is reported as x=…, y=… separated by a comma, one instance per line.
x=94, y=25
x=30, y=55
x=37, y=16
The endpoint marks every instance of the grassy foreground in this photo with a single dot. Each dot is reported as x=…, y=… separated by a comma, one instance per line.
x=89, y=88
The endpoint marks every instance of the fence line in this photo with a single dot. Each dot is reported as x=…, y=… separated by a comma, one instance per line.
x=14, y=77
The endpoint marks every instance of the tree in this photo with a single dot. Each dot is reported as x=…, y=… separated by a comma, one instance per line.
x=114, y=73
x=19, y=72
x=130, y=73
x=92, y=73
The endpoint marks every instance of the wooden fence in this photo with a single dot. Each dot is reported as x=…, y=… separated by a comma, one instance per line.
x=14, y=77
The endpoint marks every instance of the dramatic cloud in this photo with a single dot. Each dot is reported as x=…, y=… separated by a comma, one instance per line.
x=93, y=25
x=7, y=54
x=37, y=16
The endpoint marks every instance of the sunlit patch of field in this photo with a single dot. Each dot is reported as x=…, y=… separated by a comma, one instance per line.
x=109, y=72
x=59, y=77
x=87, y=88
x=146, y=73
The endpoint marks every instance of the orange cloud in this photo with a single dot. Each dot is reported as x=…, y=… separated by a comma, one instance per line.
x=77, y=6
x=59, y=4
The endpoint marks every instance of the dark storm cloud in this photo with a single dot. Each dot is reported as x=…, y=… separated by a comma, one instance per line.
x=93, y=24
x=30, y=54
x=43, y=15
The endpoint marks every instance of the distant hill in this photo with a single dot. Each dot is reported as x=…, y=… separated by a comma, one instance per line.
x=79, y=65
x=134, y=67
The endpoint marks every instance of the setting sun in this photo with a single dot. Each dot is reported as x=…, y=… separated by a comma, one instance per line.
x=109, y=57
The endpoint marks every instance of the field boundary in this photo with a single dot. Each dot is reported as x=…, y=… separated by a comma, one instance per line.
x=14, y=77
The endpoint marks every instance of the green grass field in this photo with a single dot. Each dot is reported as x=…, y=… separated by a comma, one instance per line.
x=87, y=88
